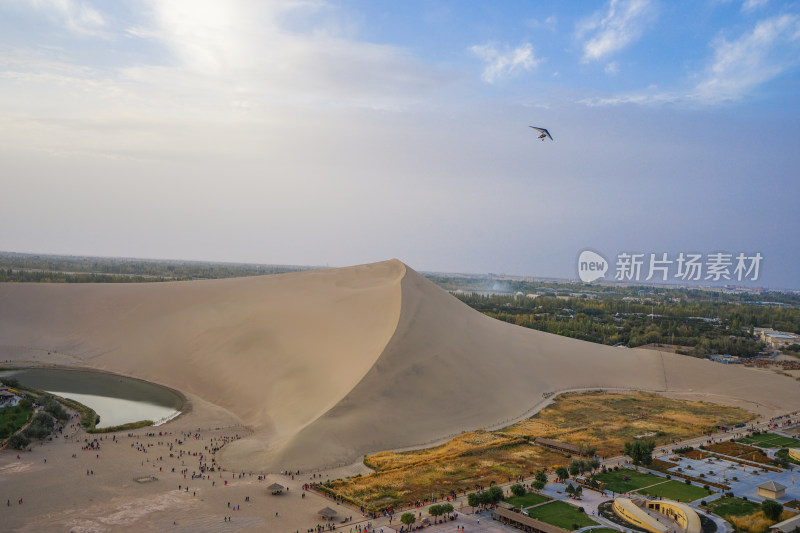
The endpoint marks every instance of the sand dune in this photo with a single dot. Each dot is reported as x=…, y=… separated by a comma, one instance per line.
x=329, y=365
x=277, y=351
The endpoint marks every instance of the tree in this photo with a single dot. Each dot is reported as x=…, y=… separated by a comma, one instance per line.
x=9, y=382
x=772, y=509
x=593, y=464
x=537, y=485
x=570, y=489
x=19, y=442
x=447, y=508
x=640, y=452
x=576, y=467
x=435, y=511
x=517, y=490
x=408, y=518
x=496, y=495
x=577, y=491
x=541, y=477
x=562, y=473
x=473, y=500
x=41, y=426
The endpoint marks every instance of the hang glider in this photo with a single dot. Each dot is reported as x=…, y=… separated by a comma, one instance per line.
x=544, y=133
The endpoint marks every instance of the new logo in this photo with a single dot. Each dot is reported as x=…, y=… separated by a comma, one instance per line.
x=591, y=266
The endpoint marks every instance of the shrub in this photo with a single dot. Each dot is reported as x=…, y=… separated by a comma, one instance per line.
x=19, y=442
x=41, y=426
x=772, y=509
x=10, y=382
x=687, y=482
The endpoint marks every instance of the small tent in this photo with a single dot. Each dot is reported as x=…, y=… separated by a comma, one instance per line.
x=276, y=489
x=327, y=513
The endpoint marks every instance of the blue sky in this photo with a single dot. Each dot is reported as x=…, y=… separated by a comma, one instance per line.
x=314, y=132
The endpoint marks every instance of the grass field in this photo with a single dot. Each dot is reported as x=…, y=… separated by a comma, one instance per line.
x=655, y=485
x=531, y=498
x=770, y=440
x=614, y=480
x=606, y=421
x=675, y=490
x=563, y=515
x=13, y=418
x=461, y=472
x=756, y=522
x=726, y=507
x=596, y=419
x=784, y=454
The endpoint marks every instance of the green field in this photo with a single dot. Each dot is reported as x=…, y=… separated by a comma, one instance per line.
x=11, y=419
x=676, y=490
x=531, y=498
x=656, y=485
x=784, y=454
x=725, y=507
x=614, y=481
x=770, y=440
x=563, y=515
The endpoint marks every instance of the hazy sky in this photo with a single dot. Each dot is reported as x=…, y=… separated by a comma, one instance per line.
x=314, y=132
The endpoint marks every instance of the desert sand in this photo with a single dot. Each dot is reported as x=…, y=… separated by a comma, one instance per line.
x=326, y=366
x=314, y=369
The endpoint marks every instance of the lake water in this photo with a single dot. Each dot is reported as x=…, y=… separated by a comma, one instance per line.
x=117, y=399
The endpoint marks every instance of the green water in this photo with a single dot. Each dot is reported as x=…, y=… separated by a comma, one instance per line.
x=117, y=399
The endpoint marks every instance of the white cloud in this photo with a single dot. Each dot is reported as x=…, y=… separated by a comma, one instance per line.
x=76, y=15
x=752, y=5
x=243, y=47
x=504, y=64
x=614, y=28
x=770, y=49
x=548, y=23
x=612, y=68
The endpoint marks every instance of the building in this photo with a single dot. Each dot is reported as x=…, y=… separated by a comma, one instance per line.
x=787, y=526
x=8, y=397
x=632, y=513
x=725, y=358
x=684, y=515
x=772, y=490
x=776, y=339
x=558, y=446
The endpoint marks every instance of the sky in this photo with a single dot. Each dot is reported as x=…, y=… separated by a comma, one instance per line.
x=345, y=132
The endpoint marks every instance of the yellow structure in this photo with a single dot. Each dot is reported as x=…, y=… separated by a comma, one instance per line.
x=794, y=453
x=772, y=490
x=681, y=513
x=630, y=512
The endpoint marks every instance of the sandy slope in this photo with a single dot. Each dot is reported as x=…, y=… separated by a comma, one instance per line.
x=277, y=351
x=329, y=365
x=449, y=368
